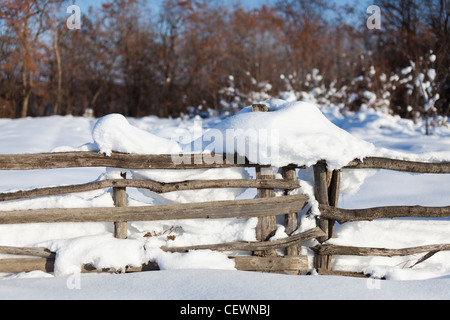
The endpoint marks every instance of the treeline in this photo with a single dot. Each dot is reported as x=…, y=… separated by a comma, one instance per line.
x=198, y=55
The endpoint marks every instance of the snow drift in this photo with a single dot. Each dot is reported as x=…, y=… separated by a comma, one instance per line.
x=114, y=133
x=290, y=133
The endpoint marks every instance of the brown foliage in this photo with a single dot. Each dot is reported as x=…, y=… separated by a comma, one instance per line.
x=200, y=54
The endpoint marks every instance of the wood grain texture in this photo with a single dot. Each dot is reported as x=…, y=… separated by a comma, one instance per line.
x=188, y=161
x=271, y=264
x=120, y=201
x=349, y=215
x=35, y=252
x=205, y=210
x=120, y=160
x=294, y=240
x=329, y=249
x=158, y=187
x=399, y=165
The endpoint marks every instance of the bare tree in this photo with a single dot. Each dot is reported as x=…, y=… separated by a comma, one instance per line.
x=27, y=21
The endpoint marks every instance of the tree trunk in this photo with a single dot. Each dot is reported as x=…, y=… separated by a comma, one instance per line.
x=26, y=92
x=25, y=102
x=59, y=73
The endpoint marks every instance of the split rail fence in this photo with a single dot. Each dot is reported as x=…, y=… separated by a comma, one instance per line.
x=266, y=207
x=265, y=254
x=327, y=194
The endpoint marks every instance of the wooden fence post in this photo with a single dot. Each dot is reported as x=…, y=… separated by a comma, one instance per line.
x=290, y=220
x=333, y=197
x=266, y=225
x=120, y=200
x=327, y=186
x=260, y=108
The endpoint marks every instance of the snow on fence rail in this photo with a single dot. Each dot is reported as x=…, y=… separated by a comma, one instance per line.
x=266, y=208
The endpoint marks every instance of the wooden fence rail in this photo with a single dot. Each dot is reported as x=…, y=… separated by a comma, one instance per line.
x=329, y=249
x=154, y=186
x=119, y=160
x=346, y=215
x=206, y=210
x=400, y=165
x=194, y=161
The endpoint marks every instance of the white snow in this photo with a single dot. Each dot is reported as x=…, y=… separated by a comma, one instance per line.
x=220, y=285
x=114, y=133
x=291, y=133
x=431, y=73
x=406, y=70
x=71, y=253
x=302, y=129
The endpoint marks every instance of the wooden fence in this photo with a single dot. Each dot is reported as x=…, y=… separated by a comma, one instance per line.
x=327, y=194
x=266, y=207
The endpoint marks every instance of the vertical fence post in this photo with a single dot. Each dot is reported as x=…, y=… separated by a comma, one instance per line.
x=290, y=220
x=327, y=186
x=120, y=200
x=321, y=193
x=333, y=197
x=266, y=225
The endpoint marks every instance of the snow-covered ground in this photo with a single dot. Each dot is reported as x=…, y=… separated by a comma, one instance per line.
x=220, y=285
x=371, y=133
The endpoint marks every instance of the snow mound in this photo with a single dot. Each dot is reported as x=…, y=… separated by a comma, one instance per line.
x=290, y=133
x=114, y=133
x=105, y=251
x=102, y=251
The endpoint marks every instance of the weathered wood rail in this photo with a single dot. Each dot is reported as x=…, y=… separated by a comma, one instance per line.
x=345, y=215
x=59, y=160
x=400, y=165
x=240, y=209
x=154, y=186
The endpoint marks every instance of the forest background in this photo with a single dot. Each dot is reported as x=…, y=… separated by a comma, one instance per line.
x=185, y=57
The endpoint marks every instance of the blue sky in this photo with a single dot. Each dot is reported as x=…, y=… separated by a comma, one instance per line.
x=154, y=4
x=84, y=4
x=249, y=3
